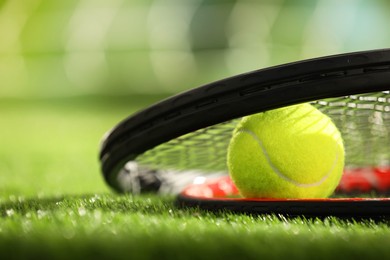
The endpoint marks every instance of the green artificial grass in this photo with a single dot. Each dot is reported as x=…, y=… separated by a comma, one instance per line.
x=55, y=204
x=149, y=227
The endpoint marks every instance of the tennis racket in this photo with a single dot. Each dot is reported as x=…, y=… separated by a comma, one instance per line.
x=179, y=145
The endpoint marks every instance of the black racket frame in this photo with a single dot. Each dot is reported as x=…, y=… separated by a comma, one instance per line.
x=245, y=94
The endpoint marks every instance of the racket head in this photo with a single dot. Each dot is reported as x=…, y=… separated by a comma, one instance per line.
x=245, y=94
x=327, y=81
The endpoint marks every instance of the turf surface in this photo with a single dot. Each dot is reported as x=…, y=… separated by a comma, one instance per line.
x=54, y=203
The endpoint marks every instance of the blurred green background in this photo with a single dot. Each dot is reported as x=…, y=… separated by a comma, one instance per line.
x=70, y=70
x=116, y=47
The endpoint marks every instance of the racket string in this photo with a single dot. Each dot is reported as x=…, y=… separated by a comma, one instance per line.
x=363, y=120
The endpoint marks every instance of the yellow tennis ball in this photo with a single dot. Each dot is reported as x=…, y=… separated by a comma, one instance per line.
x=291, y=152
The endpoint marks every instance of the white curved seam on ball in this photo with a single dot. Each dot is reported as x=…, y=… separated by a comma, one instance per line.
x=280, y=174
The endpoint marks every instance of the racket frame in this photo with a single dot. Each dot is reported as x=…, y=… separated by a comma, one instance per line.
x=245, y=94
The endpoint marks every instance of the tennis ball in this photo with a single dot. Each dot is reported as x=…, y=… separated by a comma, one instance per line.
x=291, y=152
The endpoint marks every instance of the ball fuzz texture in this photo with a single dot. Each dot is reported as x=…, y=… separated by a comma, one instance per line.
x=291, y=152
